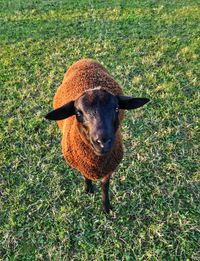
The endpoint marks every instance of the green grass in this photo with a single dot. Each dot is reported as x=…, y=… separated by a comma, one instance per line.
x=152, y=50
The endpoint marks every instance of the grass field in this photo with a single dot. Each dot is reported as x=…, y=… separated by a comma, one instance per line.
x=152, y=49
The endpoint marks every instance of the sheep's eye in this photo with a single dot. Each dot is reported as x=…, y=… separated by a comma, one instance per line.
x=79, y=116
x=78, y=113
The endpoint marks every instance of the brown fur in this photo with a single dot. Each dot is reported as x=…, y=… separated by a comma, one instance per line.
x=81, y=76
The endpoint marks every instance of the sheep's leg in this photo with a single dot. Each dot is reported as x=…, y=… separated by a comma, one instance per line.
x=105, y=194
x=88, y=186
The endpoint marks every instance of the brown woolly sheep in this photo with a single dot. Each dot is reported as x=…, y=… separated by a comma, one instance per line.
x=89, y=106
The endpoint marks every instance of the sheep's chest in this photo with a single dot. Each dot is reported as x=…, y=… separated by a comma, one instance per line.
x=80, y=156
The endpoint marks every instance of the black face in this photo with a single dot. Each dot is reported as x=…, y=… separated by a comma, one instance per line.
x=97, y=113
x=97, y=116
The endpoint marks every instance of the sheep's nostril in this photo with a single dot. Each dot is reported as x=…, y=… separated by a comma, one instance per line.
x=100, y=143
x=103, y=143
x=108, y=141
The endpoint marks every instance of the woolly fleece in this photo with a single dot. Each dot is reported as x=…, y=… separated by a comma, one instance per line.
x=81, y=76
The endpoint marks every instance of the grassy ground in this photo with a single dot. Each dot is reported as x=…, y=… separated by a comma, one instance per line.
x=151, y=48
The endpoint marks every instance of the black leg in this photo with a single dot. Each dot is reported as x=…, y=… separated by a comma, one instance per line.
x=88, y=186
x=105, y=195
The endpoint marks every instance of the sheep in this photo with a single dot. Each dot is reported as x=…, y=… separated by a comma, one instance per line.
x=88, y=107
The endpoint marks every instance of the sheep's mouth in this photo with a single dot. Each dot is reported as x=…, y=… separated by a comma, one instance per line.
x=101, y=153
x=99, y=150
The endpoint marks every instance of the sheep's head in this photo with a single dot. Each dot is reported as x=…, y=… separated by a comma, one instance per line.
x=97, y=114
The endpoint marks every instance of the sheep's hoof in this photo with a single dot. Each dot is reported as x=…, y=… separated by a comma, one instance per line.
x=89, y=186
x=106, y=209
x=89, y=190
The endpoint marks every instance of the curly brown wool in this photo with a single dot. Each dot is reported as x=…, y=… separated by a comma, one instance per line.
x=88, y=107
x=84, y=75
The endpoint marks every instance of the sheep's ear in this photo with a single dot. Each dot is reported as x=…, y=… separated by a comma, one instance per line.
x=129, y=103
x=61, y=113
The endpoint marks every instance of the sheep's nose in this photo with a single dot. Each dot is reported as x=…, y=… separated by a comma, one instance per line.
x=103, y=143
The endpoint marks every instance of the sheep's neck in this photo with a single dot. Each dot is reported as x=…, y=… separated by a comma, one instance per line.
x=80, y=154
